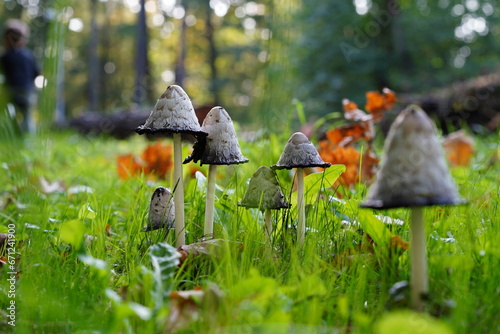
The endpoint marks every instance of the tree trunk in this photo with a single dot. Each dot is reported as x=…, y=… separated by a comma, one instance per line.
x=212, y=56
x=106, y=46
x=180, y=64
x=141, y=89
x=93, y=59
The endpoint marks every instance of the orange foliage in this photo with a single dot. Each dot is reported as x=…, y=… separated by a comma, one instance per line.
x=377, y=104
x=156, y=161
x=347, y=156
x=128, y=166
x=399, y=243
x=353, y=113
x=338, y=147
x=459, y=148
x=348, y=134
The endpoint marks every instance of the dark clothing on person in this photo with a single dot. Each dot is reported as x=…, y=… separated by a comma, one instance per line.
x=20, y=69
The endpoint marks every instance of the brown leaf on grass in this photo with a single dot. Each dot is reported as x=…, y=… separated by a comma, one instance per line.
x=204, y=249
x=128, y=166
x=377, y=104
x=352, y=160
x=348, y=134
x=158, y=159
x=366, y=252
x=369, y=166
x=208, y=248
x=353, y=113
x=397, y=243
x=347, y=156
x=188, y=306
x=459, y=148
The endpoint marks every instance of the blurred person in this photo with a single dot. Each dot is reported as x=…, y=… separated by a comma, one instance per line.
x=20, y=69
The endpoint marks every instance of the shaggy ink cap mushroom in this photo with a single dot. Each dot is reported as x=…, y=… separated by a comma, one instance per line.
x=299, y=152
x=264, y=191
x=161, y=210
x=221, y=146
x=173, y=113
x=414, y=171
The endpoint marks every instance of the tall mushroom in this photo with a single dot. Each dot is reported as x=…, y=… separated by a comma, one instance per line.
x=220, y=147
x=174, y=113
x=300, y=153
x=264, y=193
x=161, y=210
x=414, y=174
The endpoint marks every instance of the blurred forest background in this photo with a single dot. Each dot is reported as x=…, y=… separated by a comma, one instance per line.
x=255, y=58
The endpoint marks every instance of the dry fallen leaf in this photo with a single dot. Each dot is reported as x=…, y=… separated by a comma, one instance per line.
x=347, y=156
x=338, y=147
x=459, y=148
x=187, y=306
x=377, y=104
x=348, y=134
x=353, y=113
x=128, y=166
x=156, y=161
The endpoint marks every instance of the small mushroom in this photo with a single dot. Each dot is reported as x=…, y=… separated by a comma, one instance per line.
x=414, y=174
x=220, y=147
x=174, y=113
x=264, y=193
x=300, y=153
x=161, y=210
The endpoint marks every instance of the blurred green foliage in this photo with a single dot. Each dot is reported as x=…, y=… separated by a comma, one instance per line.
x=256, y=57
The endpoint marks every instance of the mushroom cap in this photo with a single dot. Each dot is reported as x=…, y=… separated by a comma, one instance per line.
x=264, y=191
x=221, y=147
x=161, y=210
x=173, y=113
x=299, y=152
x=414, y=171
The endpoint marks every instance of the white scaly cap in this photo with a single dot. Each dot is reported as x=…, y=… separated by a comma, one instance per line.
x=221, y=146
x=161, y=210
x=299, y=152
x=414, y=171
x=173, y=113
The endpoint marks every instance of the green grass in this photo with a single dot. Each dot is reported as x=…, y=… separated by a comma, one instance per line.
x=306, y=290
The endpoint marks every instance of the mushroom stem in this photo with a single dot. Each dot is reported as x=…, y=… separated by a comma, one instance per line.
x=301, y=229
x=419, y=280
x=179, y=192
x=209, y=208
x=269, y=226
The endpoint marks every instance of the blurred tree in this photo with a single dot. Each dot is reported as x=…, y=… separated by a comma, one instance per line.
x=254, y=57
x=141, y=87
x=350, y=47
x=94, y=70
x=180, y=63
